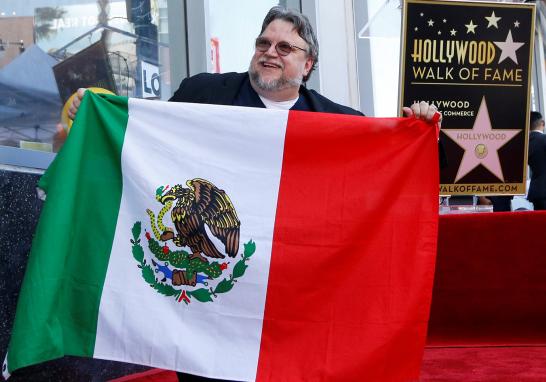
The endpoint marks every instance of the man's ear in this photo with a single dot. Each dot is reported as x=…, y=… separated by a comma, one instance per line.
x=308, y=66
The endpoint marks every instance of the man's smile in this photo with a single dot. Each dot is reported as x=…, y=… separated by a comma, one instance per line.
x=271, y=65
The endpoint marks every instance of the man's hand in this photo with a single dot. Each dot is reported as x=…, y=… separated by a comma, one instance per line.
x=484, y=201
x=73, y=109
x=423, y=110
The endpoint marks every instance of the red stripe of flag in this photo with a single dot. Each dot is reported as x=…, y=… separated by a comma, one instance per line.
x=353, y=254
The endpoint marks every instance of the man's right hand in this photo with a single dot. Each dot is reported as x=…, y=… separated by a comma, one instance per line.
x=73, y=109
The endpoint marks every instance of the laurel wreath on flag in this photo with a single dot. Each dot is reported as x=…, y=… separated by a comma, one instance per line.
x=181, y=259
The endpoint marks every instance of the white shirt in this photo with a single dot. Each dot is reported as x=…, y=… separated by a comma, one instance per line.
x=278, y=105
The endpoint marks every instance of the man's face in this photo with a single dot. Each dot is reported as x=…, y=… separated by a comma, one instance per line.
x=271, y=71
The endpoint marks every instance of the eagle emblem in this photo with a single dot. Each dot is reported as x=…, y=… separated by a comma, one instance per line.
x=199, y=204
x=198, y=211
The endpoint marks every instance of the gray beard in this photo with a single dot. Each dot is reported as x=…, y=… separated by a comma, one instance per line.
x=280, y=84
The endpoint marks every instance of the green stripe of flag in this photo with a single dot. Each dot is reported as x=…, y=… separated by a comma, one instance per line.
x=61, y=292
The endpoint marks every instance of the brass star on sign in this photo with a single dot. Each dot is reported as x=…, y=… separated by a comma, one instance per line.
x=493, y=20
x=471, y=28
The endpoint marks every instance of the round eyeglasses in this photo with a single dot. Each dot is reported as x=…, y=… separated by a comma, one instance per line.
x=283, y=48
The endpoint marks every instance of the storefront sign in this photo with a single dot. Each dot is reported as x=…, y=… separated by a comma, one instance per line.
x=151, y=84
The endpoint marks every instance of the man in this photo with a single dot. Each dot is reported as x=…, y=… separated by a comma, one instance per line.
x=286, y=52
x=537, y=162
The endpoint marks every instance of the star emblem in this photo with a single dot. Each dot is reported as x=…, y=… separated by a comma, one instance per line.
x=439, y=33
x=430, y=22
x=416, y=29
x=516, y=24
x=421, y=14
x=493, y=20
x=481, y=144
x=453, y=32
x=508, y=48
x=444, y=21
x=471, y=28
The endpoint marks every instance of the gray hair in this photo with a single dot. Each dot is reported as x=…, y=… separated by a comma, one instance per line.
x=302, y=25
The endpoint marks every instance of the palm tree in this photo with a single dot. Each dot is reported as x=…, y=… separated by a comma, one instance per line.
x=43, y=21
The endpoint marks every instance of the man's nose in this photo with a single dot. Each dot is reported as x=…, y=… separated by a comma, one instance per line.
x=272, y=51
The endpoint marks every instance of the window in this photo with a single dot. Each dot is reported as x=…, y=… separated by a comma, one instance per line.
x=48, y=49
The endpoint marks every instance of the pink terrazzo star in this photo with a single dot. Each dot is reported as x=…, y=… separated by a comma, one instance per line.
x=480, y=144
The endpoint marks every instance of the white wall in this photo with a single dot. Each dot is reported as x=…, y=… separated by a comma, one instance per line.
x=237, y=24
x=337, y=56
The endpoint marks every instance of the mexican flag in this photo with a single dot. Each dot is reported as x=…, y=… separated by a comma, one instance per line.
x=234, y=243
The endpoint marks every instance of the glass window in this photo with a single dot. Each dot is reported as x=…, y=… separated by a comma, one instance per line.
x=378, y=23
x=538, y=98
x=48, y=49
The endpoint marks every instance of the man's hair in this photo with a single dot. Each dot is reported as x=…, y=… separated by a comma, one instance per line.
x=536, y=119
x=303, y=27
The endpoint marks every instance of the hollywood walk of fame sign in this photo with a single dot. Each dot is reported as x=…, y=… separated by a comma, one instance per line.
x=473, y=61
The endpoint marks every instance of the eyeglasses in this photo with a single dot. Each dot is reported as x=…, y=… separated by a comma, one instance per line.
x=283, y=48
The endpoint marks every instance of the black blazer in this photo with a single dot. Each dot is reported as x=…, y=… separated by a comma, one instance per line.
x=222, y=89
x=537, y=163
